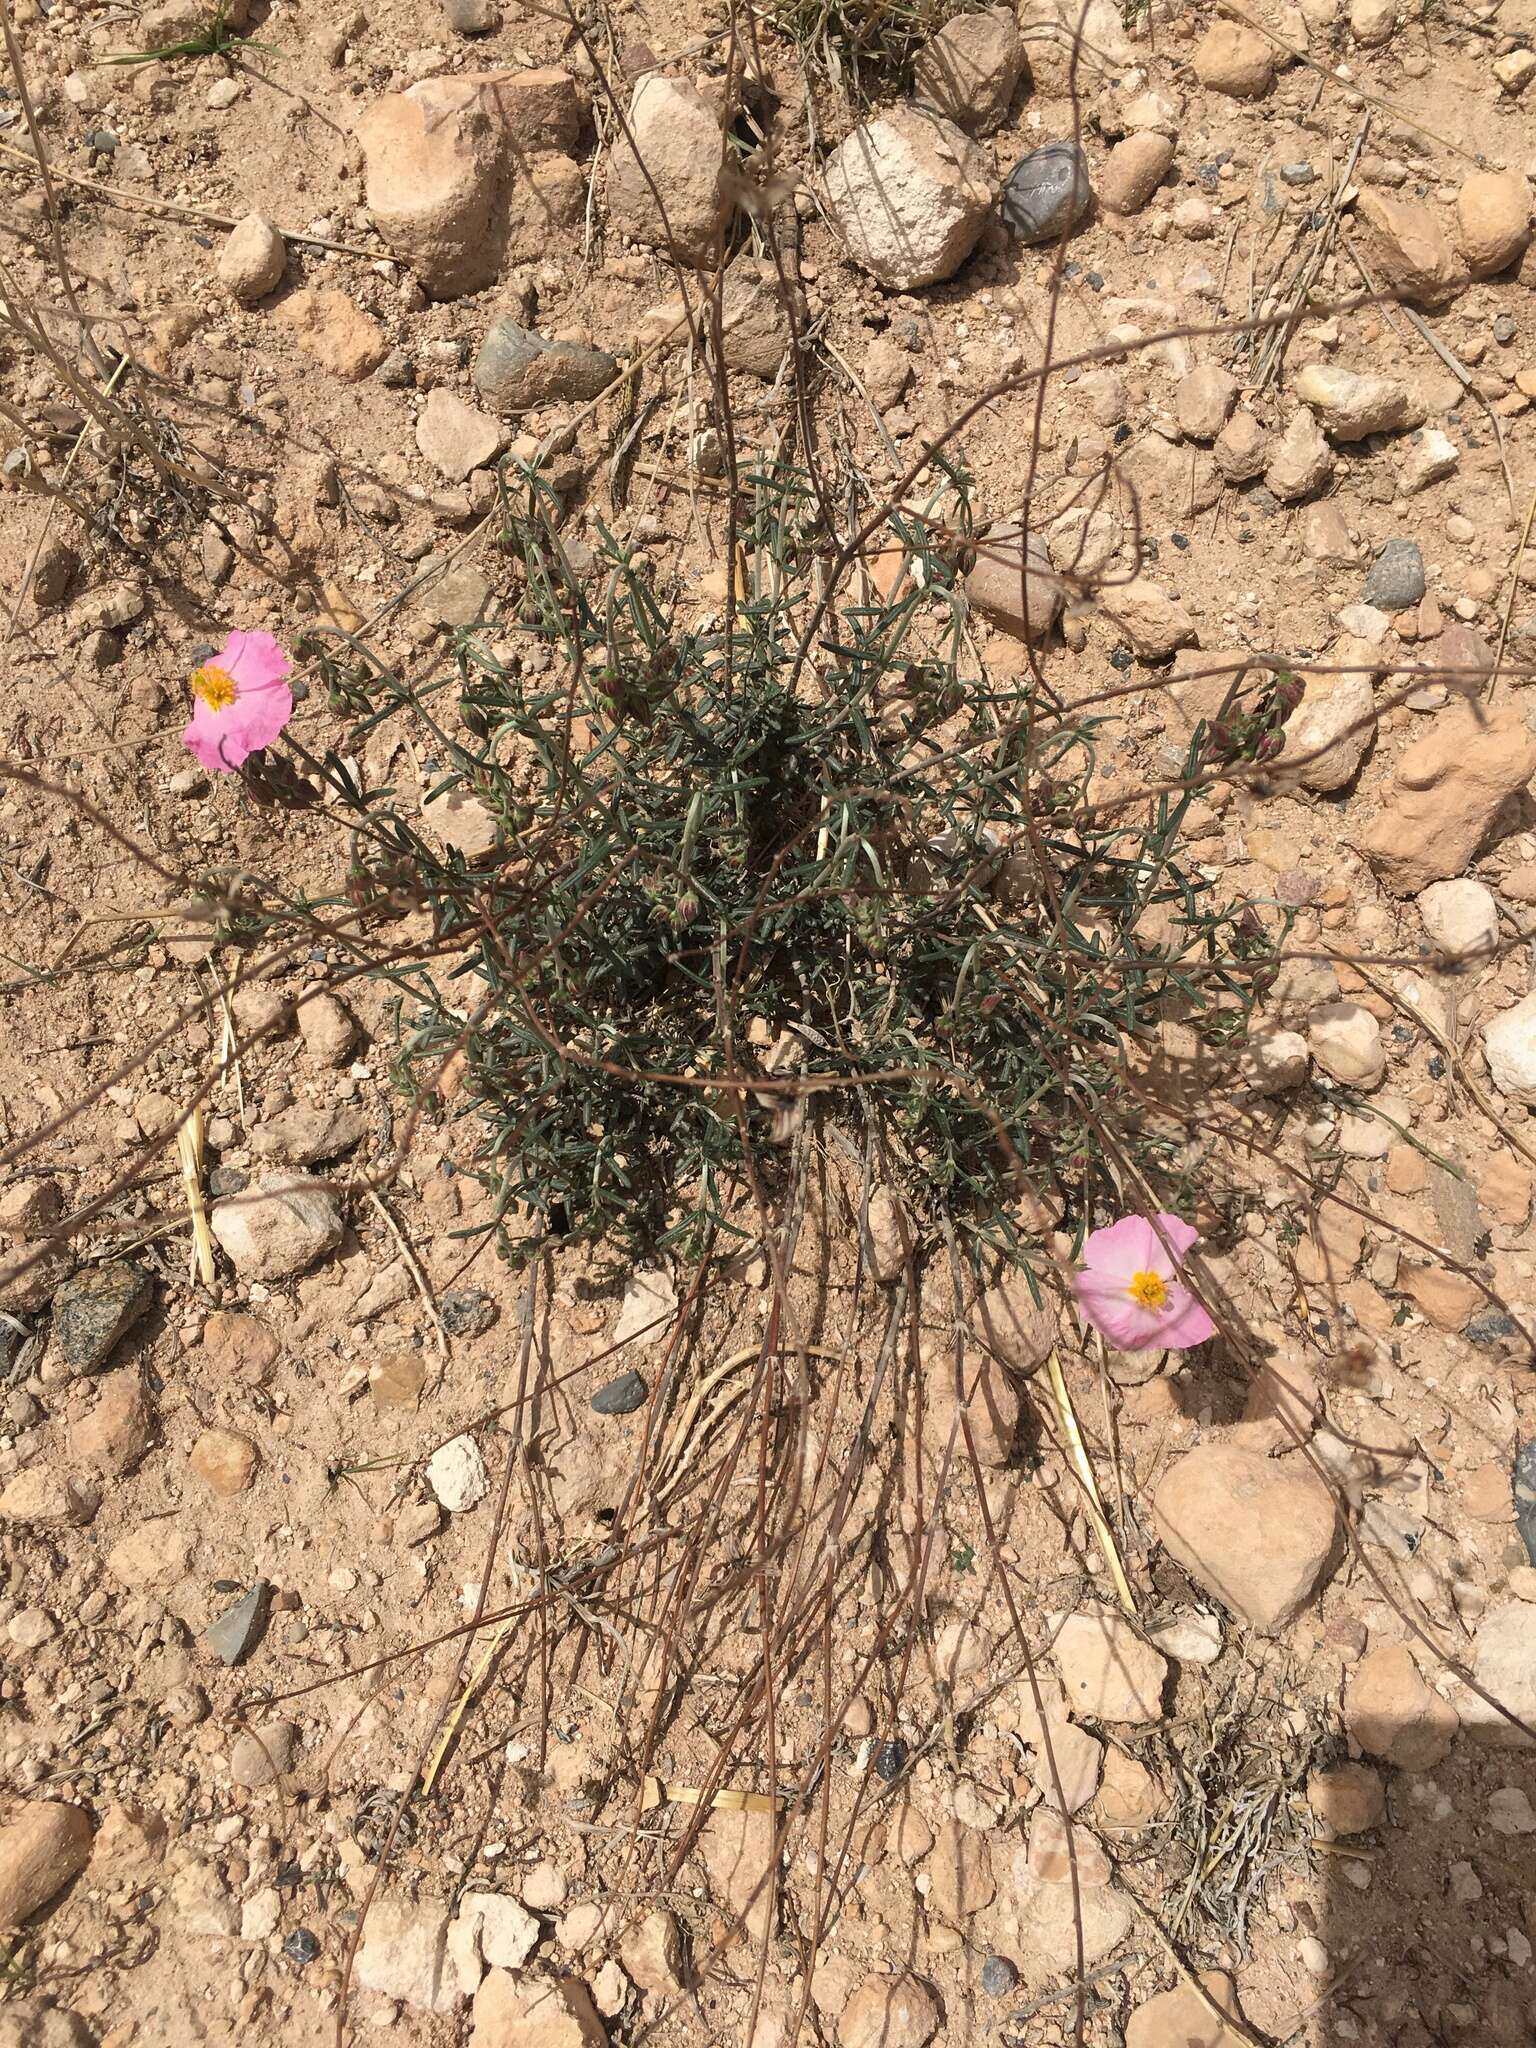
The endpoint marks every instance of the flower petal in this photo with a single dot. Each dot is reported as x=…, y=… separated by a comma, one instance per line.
x=1187, y=1326
x=1123, y=1248
x=1108, y=1305
x=255, y=661
x=1179, y=1234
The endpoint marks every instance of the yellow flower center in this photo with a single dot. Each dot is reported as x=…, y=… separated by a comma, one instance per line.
x=1149, y=1290
x=216, y=687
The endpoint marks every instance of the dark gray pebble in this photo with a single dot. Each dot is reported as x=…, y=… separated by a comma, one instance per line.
x=621, y=1396
x=466, y=1312
x=1047, y=193
x=238, y=1628
x=1396, y=579
x=998, y=1976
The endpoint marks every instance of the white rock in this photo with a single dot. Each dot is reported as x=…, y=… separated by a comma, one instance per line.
x=1156, y=624
x=1275, y=1060
x=1327, y=735
x=1371, y=22
x=1372, y=1137
x=1428, y=460
x=278, y=1226
x=1509, y=1811
x=1351, y=404
x=1346, y=1043
x=404, y=1955
x=1509, y=1041
x=908, y=193
x=1108, y=1671
x=1192, y=1639
x=261, y=1914
x=1504, y=1664
x=650, y=1303
x=253, y=258
x=679, y=150
x=491, y=1931
x=1461, y=918
x=1365, y=622
x=1302, y=463
x=456, y=1474
x=1203, y=400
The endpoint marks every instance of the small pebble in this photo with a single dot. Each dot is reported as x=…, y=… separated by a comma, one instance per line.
x=998, y=1976
x=621, y=1396
x=466, y=1312
x=301, y=1947
x=232, y=1635
x=890, y=1760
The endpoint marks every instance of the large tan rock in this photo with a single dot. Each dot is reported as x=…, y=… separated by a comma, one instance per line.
x=1133, y=170
x=969, y=70
x=1235, y=60
x=1180, y=2018
x=1155, y=624
x=960, y=1873
x=458, y=168
x=1327, y=735
x=1407, y=249
x=1393, y=1714
x=1259, y=1533
x=514, y=2011
x=889, y=2012
x=1045, y=1914
x=1351, y=404
x=1504, y=1665
x=335, y=332
x=1301, y=463
x=908, y=195
x=1493, y=220
x=679, y=142
x=45, y=1844
x=1448, y=789
x=1108, y=1672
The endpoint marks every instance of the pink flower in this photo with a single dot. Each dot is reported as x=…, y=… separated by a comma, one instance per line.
x=243, y=701
x=1129, y=1286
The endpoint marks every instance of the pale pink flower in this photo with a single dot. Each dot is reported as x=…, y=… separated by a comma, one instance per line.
x=1129, y=1286
x=243, y=701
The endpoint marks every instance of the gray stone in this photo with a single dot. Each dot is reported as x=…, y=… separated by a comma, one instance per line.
x=466, y=1312
x=97, y=1306
x=473, y=17
x=621, y=1396
x=1012, y=584
x=396, y=370
x=516, y=368
x=260, y=1756
x=56, y=565
x=305, y=1133
x=1456, y=1211
x=1047, y=193
x=1297, y=174
x=1396, y=580
x=1525, y=1496
x=458, y=597
x=236, y=1631
x=216, y=556
x=998, y=1976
